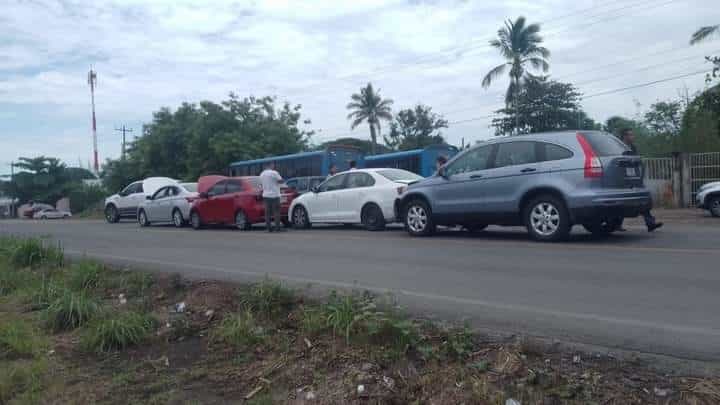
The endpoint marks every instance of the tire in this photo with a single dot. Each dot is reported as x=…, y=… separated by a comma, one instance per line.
x=195, y=220
x=714, y=205
x=300, y=218
x=111, y=214
x=547, y=219
x=142, y=219
x=372, y=218
x=418, y=219
x=43, y=217
x=177, y=218
x=474, y=228
x=604, y=227
x=241, y=221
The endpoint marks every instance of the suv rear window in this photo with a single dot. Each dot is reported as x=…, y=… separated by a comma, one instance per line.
x=605, y=144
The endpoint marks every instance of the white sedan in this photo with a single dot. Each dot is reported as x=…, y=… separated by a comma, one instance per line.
x=364, y=196
x=169, y=204
x=51, y=213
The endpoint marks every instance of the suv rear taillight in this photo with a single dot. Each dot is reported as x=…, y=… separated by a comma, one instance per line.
x=593, y=166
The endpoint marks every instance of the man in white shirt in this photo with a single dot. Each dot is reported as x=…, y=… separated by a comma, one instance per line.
x=271, y=180
x=353, y=165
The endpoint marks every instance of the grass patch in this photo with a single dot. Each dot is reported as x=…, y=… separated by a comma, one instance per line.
x=12, y=280
x=239, y=330
x=118, y=332
x=269, y=298
x=312, y=321
x=19, y=339
x=44, y=291
x=21, y=381
x=84, y=275
x=70, y=310
x=459, y=343
x=31, y=252
x=344, y=314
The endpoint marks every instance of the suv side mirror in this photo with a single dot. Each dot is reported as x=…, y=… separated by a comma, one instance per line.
x=148, y=197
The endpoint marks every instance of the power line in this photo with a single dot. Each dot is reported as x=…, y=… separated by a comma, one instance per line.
x=646, y=84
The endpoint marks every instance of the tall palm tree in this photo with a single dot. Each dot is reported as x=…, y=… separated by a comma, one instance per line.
x=519, y=44
x=704, y=33
x=369, y=106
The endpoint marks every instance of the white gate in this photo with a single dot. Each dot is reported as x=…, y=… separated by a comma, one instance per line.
x=659, y=180
x=704, y=168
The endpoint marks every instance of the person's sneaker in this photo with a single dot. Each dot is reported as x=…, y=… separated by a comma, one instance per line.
x=280, y=230
x=270, y=229
x=655, y=226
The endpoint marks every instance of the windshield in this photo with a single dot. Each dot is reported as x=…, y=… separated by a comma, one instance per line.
x=191, y=187
x=399, y=175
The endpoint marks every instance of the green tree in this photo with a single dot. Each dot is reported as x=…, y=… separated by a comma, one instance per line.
x=543, y=105
x=520, y=45
x=363, y=145
x=368, y=106
x=665, y=118
x=416, y=128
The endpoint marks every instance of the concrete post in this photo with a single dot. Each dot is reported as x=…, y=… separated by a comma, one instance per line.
x=685, y=180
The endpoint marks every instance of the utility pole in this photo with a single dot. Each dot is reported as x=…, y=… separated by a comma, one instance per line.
x=123, y=130
x=92, y=81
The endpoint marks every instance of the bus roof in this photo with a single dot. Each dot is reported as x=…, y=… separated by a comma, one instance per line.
x=276, y=158
x=413, y=152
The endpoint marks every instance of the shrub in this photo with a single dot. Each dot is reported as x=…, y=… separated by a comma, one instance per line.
x=12, y=279
x=313, y=321
x=84, y=275
x=41, y=294
x=269, y=298
x=344, y=313
x=21, y=379
x=19, y=339
x=32, y=252
x=70, y=310
x=398, y=333
x=239, y=330
x=118, y=332
x=459, y=343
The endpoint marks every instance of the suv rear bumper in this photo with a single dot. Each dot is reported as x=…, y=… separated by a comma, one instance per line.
x=608, y=205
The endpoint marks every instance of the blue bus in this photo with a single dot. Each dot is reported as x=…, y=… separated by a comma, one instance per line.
x=303, y=164
x=420, y=161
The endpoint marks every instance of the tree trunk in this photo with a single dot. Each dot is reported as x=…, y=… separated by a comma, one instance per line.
x=517, y=106
x=373, y=138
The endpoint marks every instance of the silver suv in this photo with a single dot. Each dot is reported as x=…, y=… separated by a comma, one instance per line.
x=547, y=182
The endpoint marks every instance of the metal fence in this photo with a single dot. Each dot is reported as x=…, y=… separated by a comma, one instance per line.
x=659, y=168
x=704, y=168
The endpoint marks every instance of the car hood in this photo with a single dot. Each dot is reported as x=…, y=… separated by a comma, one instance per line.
x=708, y=186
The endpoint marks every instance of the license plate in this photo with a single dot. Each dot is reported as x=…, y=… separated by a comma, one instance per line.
x=630, y=172
x=283, y=199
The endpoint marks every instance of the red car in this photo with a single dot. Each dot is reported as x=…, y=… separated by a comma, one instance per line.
x=233, y=201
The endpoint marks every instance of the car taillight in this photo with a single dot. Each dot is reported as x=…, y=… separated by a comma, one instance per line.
x=401, y=189
x=593, y=166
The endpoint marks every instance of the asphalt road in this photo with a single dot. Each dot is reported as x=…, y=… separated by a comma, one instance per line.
x=655, y=293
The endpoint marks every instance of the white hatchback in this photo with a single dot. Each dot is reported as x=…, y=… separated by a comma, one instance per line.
x=364, y=196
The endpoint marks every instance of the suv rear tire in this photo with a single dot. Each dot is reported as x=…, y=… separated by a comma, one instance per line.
x=418, y=218
x=547, y=219
x=713, y=205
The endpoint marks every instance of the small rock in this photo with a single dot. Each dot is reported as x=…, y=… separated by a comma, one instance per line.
x=209, y=314
x=309, y=396
x=661, y=392
x=512, y=402
x=389, y=382
x=122, y=299
x=576, y=359
x=180, y=307
x=51, y=352
x=360, y=389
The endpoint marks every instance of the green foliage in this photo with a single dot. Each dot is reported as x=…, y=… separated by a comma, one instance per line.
x=394, y=331
x=45, y=290
x=343, y=314
x=32, y=252
x=84, y=275
x=239, y=330
x=118, y=332
x=83, y=198
x=363, y=145
x=204, y=138
x=665, y=118
x=459, y=343
x=313, y=321
x=70, y=310
x=416, y=128
x=368, y=106
x=19, y=339
x=12, y=279
x=543, y=105
x=269, y=298
x=44, y=179
x=21, y=381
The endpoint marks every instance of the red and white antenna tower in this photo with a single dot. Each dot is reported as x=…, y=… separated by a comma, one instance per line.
x=92, y=81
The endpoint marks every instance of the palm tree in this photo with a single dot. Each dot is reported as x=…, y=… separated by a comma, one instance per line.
x=704, y=33
x=369, y=106
x=520, y=46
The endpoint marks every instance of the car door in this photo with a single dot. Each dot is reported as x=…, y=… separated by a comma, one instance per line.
x=166, y=204
x=459, y=193
x=212, y=211
x=515, y=169
x=227, y=202
x=153, y=204
x=323, y=205
x=130, y=199
x=137, y=198
x=351, y=198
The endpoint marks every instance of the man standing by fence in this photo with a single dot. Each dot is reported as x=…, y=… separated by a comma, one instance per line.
x=628, y=137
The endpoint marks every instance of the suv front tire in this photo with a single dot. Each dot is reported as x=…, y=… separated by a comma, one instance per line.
x=418, y=218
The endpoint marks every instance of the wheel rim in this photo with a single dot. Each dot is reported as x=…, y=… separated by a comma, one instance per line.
x=240, y=221
x=417, y=218
x=143, y=218
x=545, y=219
x=371, y=217
x=195, y=220
x=715, y=206
x=110, y=214
x=177, y=218
x=299, y=217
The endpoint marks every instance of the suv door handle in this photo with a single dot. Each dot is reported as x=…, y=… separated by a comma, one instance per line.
x=476, y=176
x=528, y=170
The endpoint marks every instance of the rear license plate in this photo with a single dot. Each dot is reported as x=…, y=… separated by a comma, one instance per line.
x=283, y=199
x=630, y=172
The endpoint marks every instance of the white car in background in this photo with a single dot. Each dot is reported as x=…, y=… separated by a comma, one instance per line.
x=364, y=196
x=708, y=198
x=169, y=204
x=125, y=203
x=51, y=213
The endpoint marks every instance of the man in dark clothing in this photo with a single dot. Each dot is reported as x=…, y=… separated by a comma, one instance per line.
x=628, y=137
x=440, y=162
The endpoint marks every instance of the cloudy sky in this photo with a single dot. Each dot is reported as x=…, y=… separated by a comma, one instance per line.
x=154, y=53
